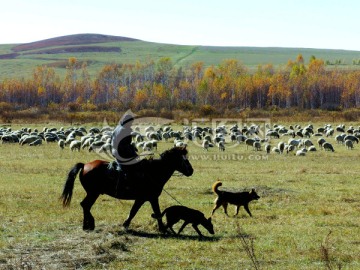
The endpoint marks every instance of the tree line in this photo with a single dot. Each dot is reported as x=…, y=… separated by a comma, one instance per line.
x=162, y=85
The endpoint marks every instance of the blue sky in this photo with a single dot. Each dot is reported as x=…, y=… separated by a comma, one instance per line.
x=262, y=23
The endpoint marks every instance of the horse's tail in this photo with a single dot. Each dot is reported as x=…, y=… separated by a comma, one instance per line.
x=69, y=184
x=215, y=187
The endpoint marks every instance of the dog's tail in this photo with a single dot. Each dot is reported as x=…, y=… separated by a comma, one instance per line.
x=215, y=187
x=153, y=215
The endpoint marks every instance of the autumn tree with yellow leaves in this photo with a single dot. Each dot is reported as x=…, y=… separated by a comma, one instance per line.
x=162, y=85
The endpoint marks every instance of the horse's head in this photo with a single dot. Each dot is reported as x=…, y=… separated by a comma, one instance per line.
x=178, y=157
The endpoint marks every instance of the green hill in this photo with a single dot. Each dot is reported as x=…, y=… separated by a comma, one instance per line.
x=19, y=60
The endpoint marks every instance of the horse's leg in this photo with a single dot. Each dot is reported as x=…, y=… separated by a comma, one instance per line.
x=156, y=208
x=135, y=208
x=87, y=203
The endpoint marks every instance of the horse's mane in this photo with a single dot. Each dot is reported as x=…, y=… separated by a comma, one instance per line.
x=179, y=150
x=166, y=155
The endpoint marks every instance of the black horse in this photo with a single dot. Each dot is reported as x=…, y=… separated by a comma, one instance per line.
x=144, y=185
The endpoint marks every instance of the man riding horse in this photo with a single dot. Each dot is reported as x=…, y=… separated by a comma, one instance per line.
x=123, y=150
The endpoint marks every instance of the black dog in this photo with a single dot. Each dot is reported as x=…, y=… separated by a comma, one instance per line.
x=237, y=198
x=191, y=216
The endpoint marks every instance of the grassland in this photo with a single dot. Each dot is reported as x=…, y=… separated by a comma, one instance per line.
x=181, y=55
x=302, y=200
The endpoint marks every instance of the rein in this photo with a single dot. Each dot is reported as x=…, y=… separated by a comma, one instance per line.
x=178, y=174
x=172, y=197
x=144, y=154
x=174, y=174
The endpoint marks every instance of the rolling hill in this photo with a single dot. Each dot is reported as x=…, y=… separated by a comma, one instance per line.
x=19, y=60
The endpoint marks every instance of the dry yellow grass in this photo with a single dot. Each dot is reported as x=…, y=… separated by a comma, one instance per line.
x=302, y=200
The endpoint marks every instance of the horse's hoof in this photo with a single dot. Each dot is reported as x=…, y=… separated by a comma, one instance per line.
x=126, y=225
x=88, y=226
x=163, y=230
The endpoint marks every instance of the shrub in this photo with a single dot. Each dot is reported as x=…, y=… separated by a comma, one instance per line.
x=73, y=107
x=351, y=114
x=166, y=114
x=207, y=110
x=185, y=105
x=89, y=107
x=148, y=113
x=6, y=107
x=52, y=106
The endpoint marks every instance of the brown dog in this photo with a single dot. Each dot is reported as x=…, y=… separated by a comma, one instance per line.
x=237, y=198
x=177, y=212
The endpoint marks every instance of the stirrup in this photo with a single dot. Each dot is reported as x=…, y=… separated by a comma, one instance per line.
x=114, y=165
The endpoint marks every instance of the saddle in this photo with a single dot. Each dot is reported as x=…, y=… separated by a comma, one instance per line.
x=122, y=172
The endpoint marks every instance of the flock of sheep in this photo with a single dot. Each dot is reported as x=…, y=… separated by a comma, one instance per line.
x=301, y=139
x=292, y=139
x=75, y=138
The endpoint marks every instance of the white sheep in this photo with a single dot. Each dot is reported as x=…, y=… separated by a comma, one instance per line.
x=105, y=148
x=221, y=146
x=208, y=138
x=329, y=132
x=139, y=138
x=289, y=148
x=349, y=144
x=300, y=153
x=205, y=145
x=340, y=128
x=153, y=136
x=320, y=142
x=149, y=129
x=36, y=142
x=328, y=147
x=166, y=136
x=61, y=143
x=179, y=143
x=241, y=138
x=267, y=148
x=69, y=139
x=294, y=142
x=307, y=143
x=147, y=146
x=257, y=146
x=352, y=138
x=27, y=139
x=155, y=144
x=75, y=145
x=49, y=137
x=87, y=142
x=249, y=142
x=340, y=138
x=273, y=134
x=96, y=145
x=281, y=146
